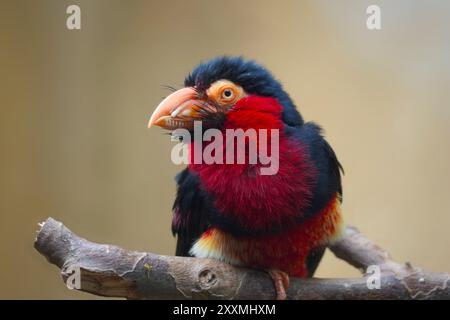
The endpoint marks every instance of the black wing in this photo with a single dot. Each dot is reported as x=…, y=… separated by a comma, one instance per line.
x=329, y=169
x=190, y=211
x=335, y=168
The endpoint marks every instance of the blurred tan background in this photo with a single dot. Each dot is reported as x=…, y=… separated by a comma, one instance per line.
x=74, y=107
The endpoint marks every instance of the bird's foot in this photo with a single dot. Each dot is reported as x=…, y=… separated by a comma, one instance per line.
x=281, y=282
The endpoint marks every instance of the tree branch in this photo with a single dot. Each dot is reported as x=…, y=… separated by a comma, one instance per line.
x=111, y=271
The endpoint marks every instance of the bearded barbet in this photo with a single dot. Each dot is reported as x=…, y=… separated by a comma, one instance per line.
x=279, y=222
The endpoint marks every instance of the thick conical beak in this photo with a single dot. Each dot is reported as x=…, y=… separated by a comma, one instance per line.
x=178, y=110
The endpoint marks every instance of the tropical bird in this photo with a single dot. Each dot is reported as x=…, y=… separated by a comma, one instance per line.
x=281, y=222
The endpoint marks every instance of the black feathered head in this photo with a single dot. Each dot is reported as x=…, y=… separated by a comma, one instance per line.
x=213, y=87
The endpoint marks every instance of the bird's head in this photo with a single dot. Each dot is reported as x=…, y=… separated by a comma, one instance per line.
x=214, y=88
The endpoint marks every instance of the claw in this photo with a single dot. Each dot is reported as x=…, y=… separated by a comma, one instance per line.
x=281, y=282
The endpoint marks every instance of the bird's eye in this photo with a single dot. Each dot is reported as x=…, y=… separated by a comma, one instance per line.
x=227, y=94
x=224, y=92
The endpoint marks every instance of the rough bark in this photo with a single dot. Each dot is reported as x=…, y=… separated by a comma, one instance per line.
x=111, y=271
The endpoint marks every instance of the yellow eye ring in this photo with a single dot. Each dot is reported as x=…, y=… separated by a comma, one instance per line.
x=225, y=92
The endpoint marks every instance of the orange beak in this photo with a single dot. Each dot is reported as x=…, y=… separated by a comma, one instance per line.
x=178, y=110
